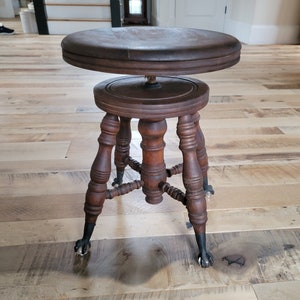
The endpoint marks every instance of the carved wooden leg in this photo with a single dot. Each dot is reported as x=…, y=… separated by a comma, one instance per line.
x=202, y=155
x=193, y=182
x=100, y=173
x=153, y=169
x=122, y=149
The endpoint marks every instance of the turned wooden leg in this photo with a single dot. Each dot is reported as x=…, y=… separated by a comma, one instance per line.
x=153, y=169
x=100, y=173
x=202, y=155
x=122, y=149
x=193, y=182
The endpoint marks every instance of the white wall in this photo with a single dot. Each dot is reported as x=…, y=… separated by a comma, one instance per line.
x=276, y=21
x=6, y=9
x=251, y=21
x=264, y=21
x=239, y=18
x=163, y=13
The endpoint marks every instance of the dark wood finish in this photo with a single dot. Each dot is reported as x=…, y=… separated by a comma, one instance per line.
x=151, y=50
x=122, y=148
x=152, y=99
x=153, y=169
x=132, y=99
x=101, y=168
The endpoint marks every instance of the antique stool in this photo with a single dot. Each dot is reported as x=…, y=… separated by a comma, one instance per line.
x=156, y=53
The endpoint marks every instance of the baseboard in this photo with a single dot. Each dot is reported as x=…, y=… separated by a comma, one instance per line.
x=272, y=34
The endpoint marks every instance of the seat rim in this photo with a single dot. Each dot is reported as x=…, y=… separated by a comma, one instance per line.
x=160, y=103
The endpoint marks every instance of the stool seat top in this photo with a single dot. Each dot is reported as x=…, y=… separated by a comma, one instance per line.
x=151, y=50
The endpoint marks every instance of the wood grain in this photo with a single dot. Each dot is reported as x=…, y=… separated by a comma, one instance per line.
x=153, y=267
x=48, y=140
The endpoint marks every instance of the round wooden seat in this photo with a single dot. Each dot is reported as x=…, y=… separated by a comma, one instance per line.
x=130, y=97
x=151, y=50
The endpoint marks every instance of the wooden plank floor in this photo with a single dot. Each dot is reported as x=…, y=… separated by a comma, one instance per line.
x=48, y=135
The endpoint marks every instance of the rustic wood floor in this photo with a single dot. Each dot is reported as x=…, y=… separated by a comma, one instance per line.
x=48, y=135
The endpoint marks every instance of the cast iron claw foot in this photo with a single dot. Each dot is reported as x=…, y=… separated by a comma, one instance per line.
x=119, y=180
x=82, y=247
x=209, y=190
x=205, y=260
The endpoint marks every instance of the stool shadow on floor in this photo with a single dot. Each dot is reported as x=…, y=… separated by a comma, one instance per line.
x=134, y=261
x=159, y=262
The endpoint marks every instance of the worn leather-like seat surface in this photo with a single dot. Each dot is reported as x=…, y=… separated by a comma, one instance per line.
x=151, y=50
